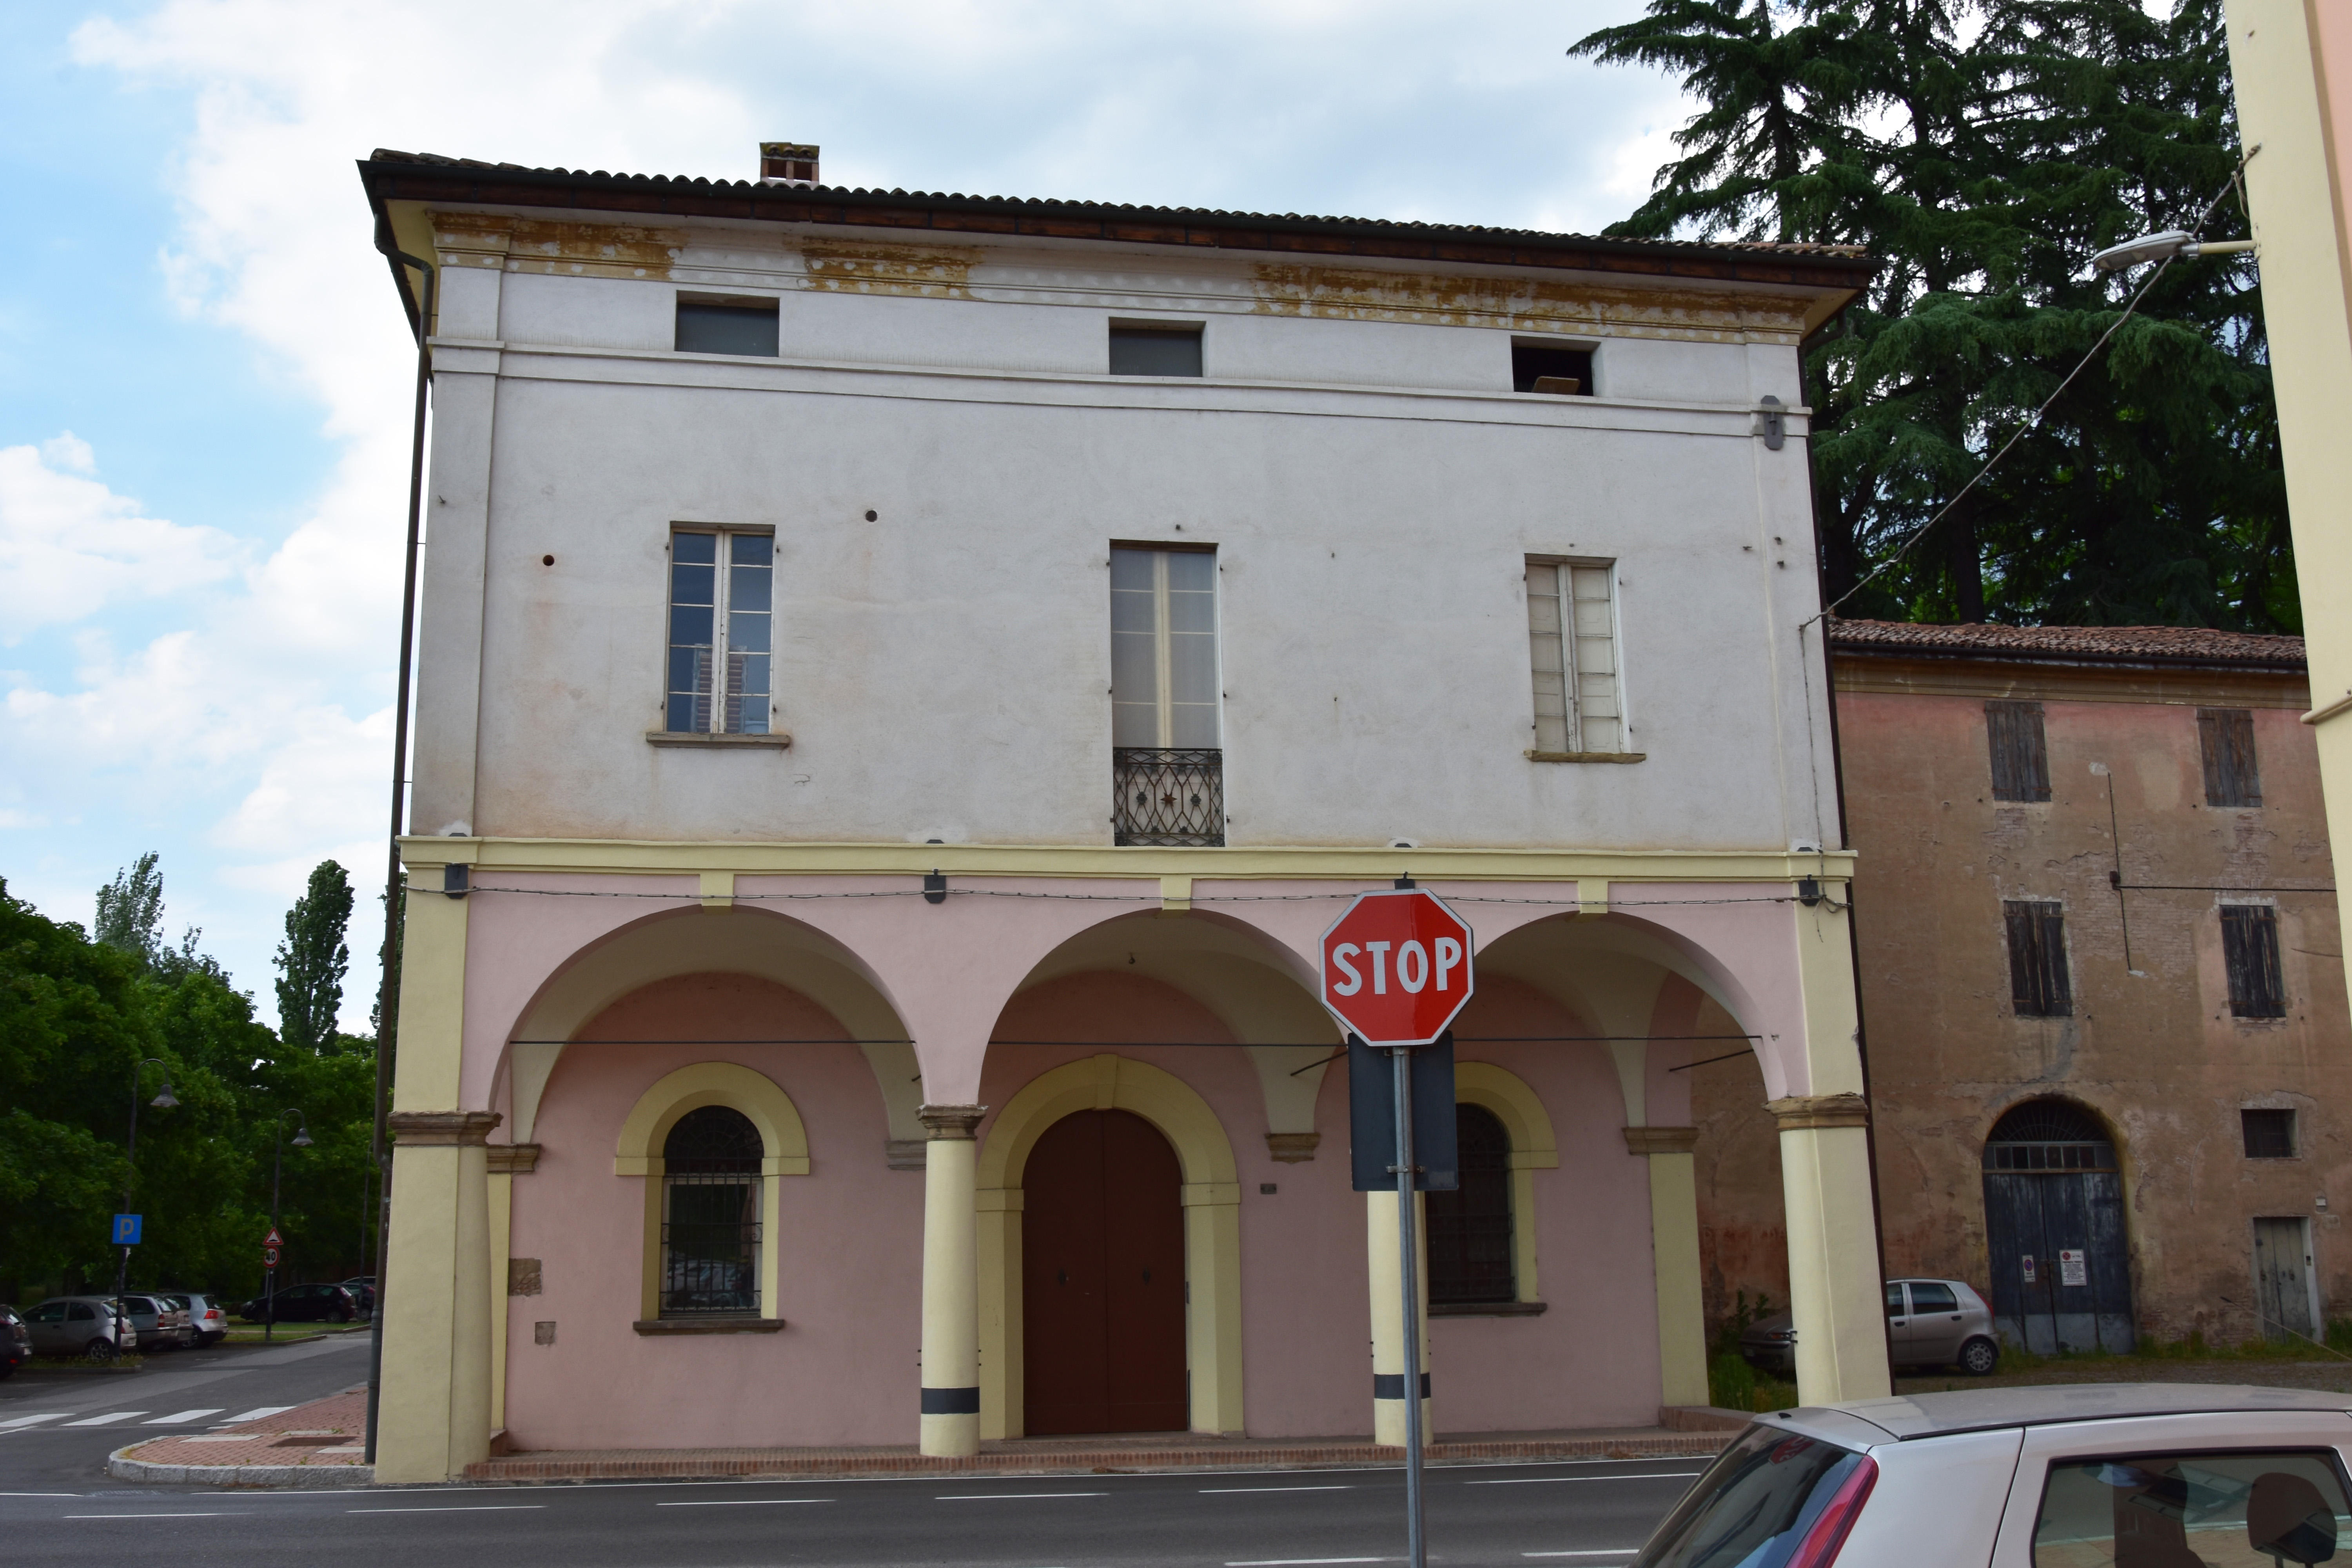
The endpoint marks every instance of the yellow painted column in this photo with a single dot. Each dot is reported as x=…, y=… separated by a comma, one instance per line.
x=950, y=1386
x=435, y=1412
x=1213, y=1256
x=1388, y=1317
x=1674, y=1254
x=504, y=1162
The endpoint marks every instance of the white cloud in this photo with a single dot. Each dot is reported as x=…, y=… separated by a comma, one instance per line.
x=69, y=546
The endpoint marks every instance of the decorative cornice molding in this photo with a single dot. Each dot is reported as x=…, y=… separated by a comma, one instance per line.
x=1292, y=1148
x=513, y=1159
x=1661, y=1139
x=951, y=1121
x=426, y=1129
x=1801, y=1112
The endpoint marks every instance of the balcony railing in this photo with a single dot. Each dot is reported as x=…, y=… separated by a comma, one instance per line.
x=1161, y=795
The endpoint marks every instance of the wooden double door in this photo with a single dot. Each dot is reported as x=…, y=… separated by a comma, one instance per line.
x=1102, y=1278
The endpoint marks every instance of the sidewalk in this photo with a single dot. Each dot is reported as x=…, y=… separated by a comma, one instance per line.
x=320, y=1443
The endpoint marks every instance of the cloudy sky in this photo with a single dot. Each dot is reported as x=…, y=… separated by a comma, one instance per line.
x=203, y=372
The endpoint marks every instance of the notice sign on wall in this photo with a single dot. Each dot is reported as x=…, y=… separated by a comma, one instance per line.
x=2071, y=1269
x=2028, y=1261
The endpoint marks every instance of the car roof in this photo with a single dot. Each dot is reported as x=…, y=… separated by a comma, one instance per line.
x=1912, y=1417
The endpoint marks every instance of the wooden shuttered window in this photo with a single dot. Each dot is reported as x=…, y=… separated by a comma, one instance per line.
x=1573, y=647
x=2226, y=737
x=2249, y=953
x=2039, y=984
x=2021, y=759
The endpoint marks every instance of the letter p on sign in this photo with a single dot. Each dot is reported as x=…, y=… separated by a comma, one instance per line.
x=1397, y=967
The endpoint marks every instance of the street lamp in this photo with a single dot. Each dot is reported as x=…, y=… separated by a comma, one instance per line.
x=276, y=1169
x=163, y=1102
x=2163, y=245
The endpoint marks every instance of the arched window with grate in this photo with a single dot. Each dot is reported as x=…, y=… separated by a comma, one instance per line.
x=710, y=1216
x=1470, y=1228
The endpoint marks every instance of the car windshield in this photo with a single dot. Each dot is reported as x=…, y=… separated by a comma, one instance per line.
x=1753, y=1506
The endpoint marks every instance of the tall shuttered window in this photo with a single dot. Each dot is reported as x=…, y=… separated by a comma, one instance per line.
x=2226, y=738
x=2039, y=984
x=2249, y=953
x=2021, y=757
x=722, y=610
x=1167, y=766
x=1573, y=645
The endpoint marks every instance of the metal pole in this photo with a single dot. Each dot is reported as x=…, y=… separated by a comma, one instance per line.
x=130, y=1164
x=1416, y=1553
x=269, y=1274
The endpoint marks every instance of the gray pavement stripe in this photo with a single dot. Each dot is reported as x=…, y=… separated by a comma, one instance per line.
x=107, y=1419
x=744, y=1502
x=183, y=1418
x=149, y=1516
x=1235, y=1492
x=1534, y=1481
x=15, y=1422
x=1304, y=1562
x=258, y=1411
x=1611, y=1552
x=457, y=1508
x=1010, y=1497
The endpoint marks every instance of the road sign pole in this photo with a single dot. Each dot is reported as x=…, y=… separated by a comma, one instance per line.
x=1416, y=1555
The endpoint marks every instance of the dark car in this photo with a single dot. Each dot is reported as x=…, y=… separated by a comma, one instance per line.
x=363, y=1290
x=15, y=1341
x=303, y=1304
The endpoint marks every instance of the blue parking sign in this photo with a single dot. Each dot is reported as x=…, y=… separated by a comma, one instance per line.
x=126, y=1229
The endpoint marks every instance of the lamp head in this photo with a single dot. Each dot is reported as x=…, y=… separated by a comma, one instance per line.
x=302, y=1137
x=165, y=1101
x=2162, y=246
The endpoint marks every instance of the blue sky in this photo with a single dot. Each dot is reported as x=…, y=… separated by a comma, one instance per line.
x=204, y=370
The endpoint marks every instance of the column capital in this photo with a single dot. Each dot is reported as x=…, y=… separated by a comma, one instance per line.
x=513, y=1159
x=1661, y=1139
x=415, y=1127
x=950, y=1120
x=1801, y=1112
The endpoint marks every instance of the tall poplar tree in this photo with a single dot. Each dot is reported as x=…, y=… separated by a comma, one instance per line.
x=312, y=960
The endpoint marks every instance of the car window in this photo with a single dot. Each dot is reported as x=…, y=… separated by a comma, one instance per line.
x=2230, y=1509
x=179, y=1302
x=80, y=1312
x=1926, y=1295
x=1768, y=1495
x=1895, y=1301
x=48, y=1312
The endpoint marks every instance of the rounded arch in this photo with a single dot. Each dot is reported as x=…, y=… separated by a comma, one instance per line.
x=2050, y=1119
x=1213, y=1256
x=783, y=1135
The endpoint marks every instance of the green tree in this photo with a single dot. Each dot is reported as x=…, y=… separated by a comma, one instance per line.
x=312, y=960
x=130, y=909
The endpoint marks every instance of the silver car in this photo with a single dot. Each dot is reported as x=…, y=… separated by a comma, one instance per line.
x=162, y=1325
x=205, y=1315
x=1929, y=1322
x=81, y=1325
x=2118, y=1475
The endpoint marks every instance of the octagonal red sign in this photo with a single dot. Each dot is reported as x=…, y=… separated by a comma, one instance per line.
x=1396, y=967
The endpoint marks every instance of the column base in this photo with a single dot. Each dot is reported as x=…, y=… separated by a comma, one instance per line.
x=950, y=1436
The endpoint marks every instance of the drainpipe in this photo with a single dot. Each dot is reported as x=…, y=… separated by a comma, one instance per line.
x=388, y=994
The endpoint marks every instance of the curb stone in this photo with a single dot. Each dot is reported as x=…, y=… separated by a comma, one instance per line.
x=122, y=1468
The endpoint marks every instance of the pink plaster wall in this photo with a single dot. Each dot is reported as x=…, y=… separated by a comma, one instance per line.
x=849, y=1243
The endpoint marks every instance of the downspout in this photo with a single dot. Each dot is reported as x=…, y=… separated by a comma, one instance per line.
x=388, y=994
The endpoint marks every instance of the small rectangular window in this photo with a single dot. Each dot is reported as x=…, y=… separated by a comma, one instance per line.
x=733, y=327
x=2038, y=983
x=1572, y=647
x=2250, y=952
x=721, y=604
x=1553, y=371
x=1172, y=350
x=2226, y=736
x=2021, y=757
x=2270, y=1135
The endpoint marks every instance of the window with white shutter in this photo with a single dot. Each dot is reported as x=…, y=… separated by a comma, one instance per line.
x=1573, y=645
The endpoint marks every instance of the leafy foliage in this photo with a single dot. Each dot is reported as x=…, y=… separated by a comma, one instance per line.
x=1984, y=150
x=312, y=960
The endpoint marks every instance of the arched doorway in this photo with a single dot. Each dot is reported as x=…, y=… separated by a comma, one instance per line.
x=1102, y=1265
x=2054, y=1225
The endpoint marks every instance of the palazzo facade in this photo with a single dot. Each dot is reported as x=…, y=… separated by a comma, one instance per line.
x=903, y=683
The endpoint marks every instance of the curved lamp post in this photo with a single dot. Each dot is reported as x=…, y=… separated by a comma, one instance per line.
x=276, y=1169
x=163, y=1102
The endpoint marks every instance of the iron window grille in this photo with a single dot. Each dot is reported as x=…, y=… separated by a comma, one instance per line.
x=710, y=1216
x=1470, y=1227
x=2039, y=984
x=2048, y=1135
x=2269, y=1134
x=1168, y=796
x=2250, y=952
x=2021, y=753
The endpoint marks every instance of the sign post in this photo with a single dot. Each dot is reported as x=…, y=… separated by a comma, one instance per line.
x=270, y=1245
x=1396, y=971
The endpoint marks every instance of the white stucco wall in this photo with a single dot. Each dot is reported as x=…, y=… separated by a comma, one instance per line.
x=1373, y=487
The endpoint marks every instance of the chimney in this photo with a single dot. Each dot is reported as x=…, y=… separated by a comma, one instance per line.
x=787, y=164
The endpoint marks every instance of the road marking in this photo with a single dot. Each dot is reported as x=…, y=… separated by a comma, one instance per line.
x=744, y=1502
x=146, y=1516
x=40, y=1494
x=107, y=1419
x=28, y=1420
x=184, y=1418
x=462, y=1507
x=1613, y=1551
x=1232, y=1491
x=257, y=1413
x=1304, y=1562
x=1543, y=1481
x=1010, y=1497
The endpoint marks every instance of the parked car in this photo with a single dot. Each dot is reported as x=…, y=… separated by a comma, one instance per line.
x=81, y=1325
x=206, y=1313
x=363, y=1290
x=2155, y=1475
x=303, y=1304
x=162, y=1326
x=1929, y=1322
x=15, y=1341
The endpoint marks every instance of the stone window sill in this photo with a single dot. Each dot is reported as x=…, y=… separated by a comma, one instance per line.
x=777, y=742
x=1486, y=1309
x=1588, y=756
x=665, y=1326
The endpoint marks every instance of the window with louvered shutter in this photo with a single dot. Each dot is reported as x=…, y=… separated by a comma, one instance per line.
x=2020, y=758
x=2038, y=982
x=1572, y=649
x=2249, y=953
x=2226, y=737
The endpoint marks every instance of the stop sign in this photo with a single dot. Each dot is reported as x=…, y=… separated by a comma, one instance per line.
x=1396, y=967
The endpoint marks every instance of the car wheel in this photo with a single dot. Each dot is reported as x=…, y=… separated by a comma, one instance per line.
x=342, y=1315
x=1980, y=1357
x=99, y=1350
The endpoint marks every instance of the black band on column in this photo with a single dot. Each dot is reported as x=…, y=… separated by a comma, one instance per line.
x=1390, y=1385
x=952, y=1401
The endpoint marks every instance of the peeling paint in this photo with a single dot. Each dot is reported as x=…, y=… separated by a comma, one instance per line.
x=568, y=249
x=930, y=272
x=1717, y=314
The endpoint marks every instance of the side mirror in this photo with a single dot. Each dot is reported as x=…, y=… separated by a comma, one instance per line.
x=2288, y=1521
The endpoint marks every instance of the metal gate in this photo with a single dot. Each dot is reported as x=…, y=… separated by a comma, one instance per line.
x=2054, y=1225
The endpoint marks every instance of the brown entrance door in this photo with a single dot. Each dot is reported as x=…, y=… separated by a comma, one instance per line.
x=1102, y=1272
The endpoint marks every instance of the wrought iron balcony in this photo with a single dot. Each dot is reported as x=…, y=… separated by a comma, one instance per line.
x=1163, y=796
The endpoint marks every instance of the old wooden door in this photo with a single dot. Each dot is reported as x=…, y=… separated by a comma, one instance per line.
x=1102, y=1278
x=2054, y=1226
x=2282, y=1278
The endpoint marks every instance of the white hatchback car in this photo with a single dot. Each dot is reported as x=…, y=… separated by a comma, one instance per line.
x=2092, y=1476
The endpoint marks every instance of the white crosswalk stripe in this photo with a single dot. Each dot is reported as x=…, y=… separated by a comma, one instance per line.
x=257, y=1413
x=16, y=1421
x=184, y=1418
x=107, y=1419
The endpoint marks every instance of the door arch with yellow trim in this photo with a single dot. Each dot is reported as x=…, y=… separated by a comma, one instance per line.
x=1212, y=1199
